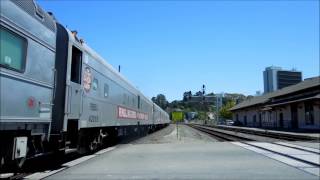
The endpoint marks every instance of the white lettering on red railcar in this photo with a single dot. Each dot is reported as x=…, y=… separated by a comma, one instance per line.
x=124, y=113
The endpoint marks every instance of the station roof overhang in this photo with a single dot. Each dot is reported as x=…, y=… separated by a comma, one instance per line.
x=294, y=101
x=265, y=100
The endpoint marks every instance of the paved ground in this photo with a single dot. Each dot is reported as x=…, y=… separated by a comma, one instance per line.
x=175, y=134
x=181, y=153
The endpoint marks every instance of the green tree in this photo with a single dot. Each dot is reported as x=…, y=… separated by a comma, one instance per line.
x=187, y=95
x=202, y=115
x=199, y=93
x=161, y=101
x=238, y=98
x=225, y=112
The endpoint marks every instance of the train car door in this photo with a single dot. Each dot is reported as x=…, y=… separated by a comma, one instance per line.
x=153, y=117
x=74, y=88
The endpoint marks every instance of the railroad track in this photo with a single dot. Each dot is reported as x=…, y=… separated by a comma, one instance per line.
x=241, y=138
x=284, y=150
x=224, y=136
x=51, y=162
x=220, y=135
x=41, y=163
x=266, y=133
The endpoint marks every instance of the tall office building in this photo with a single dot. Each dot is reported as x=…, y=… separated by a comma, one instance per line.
x=275, y=78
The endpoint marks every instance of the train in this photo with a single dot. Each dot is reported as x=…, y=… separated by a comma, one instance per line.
x=57, y=93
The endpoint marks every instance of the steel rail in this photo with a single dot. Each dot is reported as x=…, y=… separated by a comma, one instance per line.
x=263, y=135
x=287, y=137
x=212, y=131
x=221, y=135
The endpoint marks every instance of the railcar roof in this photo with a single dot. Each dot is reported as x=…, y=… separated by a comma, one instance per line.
x=32, y=8
x=100, y=59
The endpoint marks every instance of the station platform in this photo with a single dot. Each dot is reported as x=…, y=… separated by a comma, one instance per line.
x=180, y=152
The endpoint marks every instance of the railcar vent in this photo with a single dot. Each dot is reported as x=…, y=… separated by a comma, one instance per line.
x=40, y=13
x=33, y=10
x=93, y=107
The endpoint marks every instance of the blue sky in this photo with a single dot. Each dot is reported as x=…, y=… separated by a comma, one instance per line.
x=174, y=46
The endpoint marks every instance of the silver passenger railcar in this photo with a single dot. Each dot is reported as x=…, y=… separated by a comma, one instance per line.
x=57, y=93
x=27, y=58
x=94, y=102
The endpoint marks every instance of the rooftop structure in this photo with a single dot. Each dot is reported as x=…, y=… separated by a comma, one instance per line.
x=275, y=78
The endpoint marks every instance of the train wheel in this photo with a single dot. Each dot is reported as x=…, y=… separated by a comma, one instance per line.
x=1, y=163
x=20, y=162
x=93, y=145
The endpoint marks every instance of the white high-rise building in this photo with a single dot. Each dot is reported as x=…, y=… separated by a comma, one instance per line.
x=275, y=78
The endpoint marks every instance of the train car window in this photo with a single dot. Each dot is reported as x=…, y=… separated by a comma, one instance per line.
x=128, y=100
x=12, y=50
x=106, y=90
x=95, y=84
x=138, y=102
x=124, y=98
x=76, y=65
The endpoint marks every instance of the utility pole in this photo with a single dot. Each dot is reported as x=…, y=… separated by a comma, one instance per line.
x=203, y=90
x=203, y=102
x=218, y=105
x=203, y=94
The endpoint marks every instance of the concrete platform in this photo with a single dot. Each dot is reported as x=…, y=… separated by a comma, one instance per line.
x=181, y=157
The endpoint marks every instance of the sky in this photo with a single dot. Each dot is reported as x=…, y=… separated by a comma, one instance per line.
x=170, y=47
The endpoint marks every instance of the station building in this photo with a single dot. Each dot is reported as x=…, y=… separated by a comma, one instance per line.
x=293, y=107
